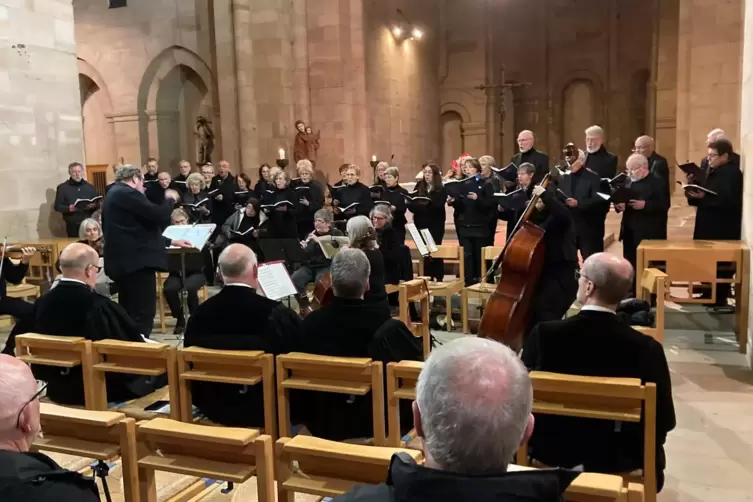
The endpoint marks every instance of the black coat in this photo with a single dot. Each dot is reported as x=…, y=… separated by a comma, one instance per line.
x=73, y=309
x=595, y=343
x=604, y=164
x=408, y=482
x=314, y=193
x=659, y=168
x=132, y=228
x=719, y=217
x=13, y=273
x=348, y=194
x=195, y=215
x=377, y=292
x=433, y=214
x=179, y=182
x=237, y=318
x=35, y=477
x=392, y=253
x=67, y=193
x=582, y=186
x=261, y=188
x=396, y=197
x=472, y=216
x=282, y=224
x=535, y=157
x=559, y=231
x=646, y=223
x=222, y=209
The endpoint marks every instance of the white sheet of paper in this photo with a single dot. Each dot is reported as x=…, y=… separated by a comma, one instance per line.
x=275, y=282
x=197, y=235
x=429, y=240
x=416, y=236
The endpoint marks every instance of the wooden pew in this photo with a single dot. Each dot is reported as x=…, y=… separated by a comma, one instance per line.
x=241, y=367
x=655, y=282
x=99, y=435
x=329, y=469
x=221, y=453
x=339, y=375
x=451, y=255
x=402, y=378
x=151, y=359
x=623, y=399
x=63, y=352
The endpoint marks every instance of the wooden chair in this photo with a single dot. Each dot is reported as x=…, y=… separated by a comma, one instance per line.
x=222, y=453
x=594, y=487
x=149, y=359
x=416, y=290
x=654, y=281
x=162, y=304
x=622, y=399
x=446, y=289
x=340, y=375
x=402, y=378
x=99, y=435
x=483, y=289
x=329, y=468
x=63, y=352
x=23, y=290
x=240, y=367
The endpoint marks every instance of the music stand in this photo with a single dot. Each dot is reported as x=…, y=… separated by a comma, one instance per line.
x=182, y=291
x=288, y=250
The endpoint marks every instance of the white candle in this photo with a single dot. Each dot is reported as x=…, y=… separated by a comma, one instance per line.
x=282, y=153
x=373, y=158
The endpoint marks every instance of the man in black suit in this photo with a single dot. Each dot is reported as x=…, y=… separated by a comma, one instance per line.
x=659, y=169
x=134, y=245
x=595, y=342
x=579, y=190
x=66, y=195
x=604, y=164
x=529, y=154
x=643, y=216
x=711, y=137
x=237, y=318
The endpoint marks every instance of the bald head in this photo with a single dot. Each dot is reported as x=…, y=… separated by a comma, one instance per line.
x=605, y=280
x=79, y=262
x=526, y=139
x=17, y=386
x=637, y=166
x=238, y=265
x=644, y=145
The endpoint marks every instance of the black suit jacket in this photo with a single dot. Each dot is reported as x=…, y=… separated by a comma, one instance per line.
x=595, y=343
x=659, y=168
x=649, y=222
x=535, y=157
x=133, y=229
x=719, y=217
x=587, y=185
x=559, y=231
x=237, y=318
x=222, y=209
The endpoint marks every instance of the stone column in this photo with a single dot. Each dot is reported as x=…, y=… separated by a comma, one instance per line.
x=492, y=79
x=244, y=74
x=40, y=113
x=226, y=114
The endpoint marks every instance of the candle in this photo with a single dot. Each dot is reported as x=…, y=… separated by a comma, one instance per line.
x=282, y=153
x=373, y=158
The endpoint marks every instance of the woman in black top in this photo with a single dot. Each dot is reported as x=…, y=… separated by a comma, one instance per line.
x=352, y=192
x=309, y=196
x=243, y=193
x=395, y=195
x=196, y=202
x=431, y=214
x=281, y=208
x=362, y=235
x=264, y=183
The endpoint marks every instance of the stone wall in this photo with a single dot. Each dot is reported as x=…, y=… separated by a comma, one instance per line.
x=746, y=142
x=40, y=113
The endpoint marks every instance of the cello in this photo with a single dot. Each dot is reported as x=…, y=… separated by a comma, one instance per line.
x=508, y=310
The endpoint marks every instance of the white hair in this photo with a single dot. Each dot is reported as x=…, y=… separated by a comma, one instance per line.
x=384, y=210
x=595, y=130
x=361, y=233
x=716, y=134
x=475, y=398
x=638, y=159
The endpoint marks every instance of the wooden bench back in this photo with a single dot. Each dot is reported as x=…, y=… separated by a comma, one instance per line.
x=451, y=254
x=63, y=352
x=339, y=375
x=101, y=435
x=416, y=290
x=240, y=367
x=604, y=398
x=148, y=359
x=654, y=281
x=488, y=253
x=205, y=451
x=329, y=468
x=402, y=378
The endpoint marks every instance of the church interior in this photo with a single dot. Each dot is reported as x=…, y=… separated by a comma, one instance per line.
x=114, y=82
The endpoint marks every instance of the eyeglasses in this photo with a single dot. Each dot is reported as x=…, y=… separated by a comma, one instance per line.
x=39, y=392
x=579, y=274
x=378, y=218
x=96, y=267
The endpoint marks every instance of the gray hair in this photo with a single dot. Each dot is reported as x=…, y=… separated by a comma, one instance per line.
x=350, y=272
x=475, y=398
x=196, y=178
x=88, y=222
x=595, y=130
x=304, y=164
x=382, y=164
x=487, y=159
x=382, y=209
x=127, y=173
x=361, y=233
x=611, y=285
x=324, y=214
x=236, y=260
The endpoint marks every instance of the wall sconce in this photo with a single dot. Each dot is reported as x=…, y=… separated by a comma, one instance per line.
x=405, y=29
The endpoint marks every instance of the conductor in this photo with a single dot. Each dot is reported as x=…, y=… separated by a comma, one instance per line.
x=134, y=246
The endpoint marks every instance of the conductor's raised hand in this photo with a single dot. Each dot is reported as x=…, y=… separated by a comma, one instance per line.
x=172, y=194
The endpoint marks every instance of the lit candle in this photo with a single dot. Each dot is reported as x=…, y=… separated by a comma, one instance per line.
x=282, y=153
x=373, y=158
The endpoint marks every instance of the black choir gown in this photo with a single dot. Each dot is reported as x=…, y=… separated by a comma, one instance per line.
x=282, y=224
x=345, y=195
x=314, y=194
x=396, y=197
x=194, y=214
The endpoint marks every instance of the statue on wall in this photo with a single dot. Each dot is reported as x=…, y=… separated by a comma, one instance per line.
x=306, y=145
x=206, y=140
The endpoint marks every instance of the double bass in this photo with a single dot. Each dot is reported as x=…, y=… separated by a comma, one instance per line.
x=508, y=311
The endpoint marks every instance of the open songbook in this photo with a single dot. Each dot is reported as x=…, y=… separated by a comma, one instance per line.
x=278, y=204
x=461, y=188
x=417, y=198
x=696, y=188
x=195, y=205
x=274, y=281
x=331, y=245
x=614, y=180
x=197, y=235
x=351, y=206
x=499, y=170
x=214, y=192
x=423, y=239
x=87, y=201
x=694, y=169
x=302, y=187
x=622, y=194
x=234, y=233
x=515, y=200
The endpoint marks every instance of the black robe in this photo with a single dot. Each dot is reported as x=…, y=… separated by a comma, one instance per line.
x=377, y=293
x=659, y=169
x=282, y=224
x=719, y=217
x=35, y=477
x=180, y=184
x=237, y=318
x=222, y=209
x=73, y=309
x=535, y=157
x=347, y=195
x=430, y=215
x=314, y=194
x=194, y=215
x=396, y=197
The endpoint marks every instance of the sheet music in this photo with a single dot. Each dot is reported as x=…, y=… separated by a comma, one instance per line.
x=275, y=282
x=416, y=236
x=197, y=235
x=429, y=240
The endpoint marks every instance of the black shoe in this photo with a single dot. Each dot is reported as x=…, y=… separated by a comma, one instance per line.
x=179, y=328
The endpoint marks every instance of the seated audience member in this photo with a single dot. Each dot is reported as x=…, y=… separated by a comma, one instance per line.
x=351, y=327
x=73, y=308
x=317, y=264
x=237, y=318
x=362, y=235
x=194, y=264
x=596, y=343
x=21, y=310
x=90, y=233
x=472, y=412
x=24, y=475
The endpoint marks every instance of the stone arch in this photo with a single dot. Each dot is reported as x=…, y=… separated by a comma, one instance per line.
x=96, y=113
x=576, y=85
x=452, y=118
x=458, y=108
x=176, y=84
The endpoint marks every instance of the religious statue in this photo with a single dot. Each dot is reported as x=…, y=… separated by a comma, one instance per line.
x=206, y=140
x=306, y=145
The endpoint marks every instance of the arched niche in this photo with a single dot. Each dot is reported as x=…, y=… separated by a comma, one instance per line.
x=639, y=102
x=573, y=89
x=96, y=108
x=453, y=142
